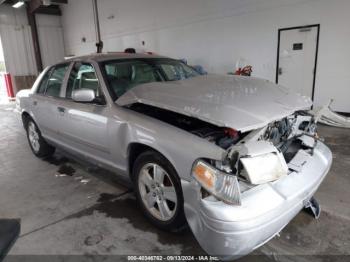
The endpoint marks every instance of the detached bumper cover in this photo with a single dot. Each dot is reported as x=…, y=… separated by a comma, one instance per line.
x=233, y=231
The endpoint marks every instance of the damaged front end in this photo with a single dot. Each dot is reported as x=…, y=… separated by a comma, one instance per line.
x=269, y=161
x=260, y=156
x=267, y=154
x=266, y=177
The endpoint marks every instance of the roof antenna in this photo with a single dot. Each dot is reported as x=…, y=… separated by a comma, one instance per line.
x=99, y=43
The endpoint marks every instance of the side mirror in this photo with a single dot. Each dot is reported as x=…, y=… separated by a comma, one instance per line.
x=83, y=95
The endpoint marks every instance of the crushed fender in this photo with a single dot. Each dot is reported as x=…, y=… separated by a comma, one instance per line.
x=327, y=116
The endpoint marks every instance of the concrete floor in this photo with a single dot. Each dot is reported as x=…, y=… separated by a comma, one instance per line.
x=67, y=208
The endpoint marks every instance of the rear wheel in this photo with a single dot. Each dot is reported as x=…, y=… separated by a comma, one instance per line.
x=37, y=143
x=158, y=190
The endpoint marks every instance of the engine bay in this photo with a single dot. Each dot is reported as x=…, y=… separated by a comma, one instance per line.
x=272, y=148
x=221, y=136
x=275, y=144
x=284, y=133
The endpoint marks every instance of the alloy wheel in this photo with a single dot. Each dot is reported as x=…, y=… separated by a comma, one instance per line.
x=33, y=136
x=157, y=192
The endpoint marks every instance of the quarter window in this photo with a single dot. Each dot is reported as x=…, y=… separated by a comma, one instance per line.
x=55, y=81
x=83, y=76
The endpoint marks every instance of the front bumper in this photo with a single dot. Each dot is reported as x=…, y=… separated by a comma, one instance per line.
x=233, y=231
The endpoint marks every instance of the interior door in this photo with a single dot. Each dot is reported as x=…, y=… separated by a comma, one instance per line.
x=297, y=57
x=84, y=126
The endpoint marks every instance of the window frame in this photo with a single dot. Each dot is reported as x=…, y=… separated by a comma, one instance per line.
x=49, y=72
x=69, y=71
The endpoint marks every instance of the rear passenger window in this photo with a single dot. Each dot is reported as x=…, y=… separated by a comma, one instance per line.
x=83, y=76
x=42, y=86
x=55, y=81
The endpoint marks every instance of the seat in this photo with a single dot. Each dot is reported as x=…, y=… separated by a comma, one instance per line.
x=89, y=81
x=119, y=86
x=143, y=74
x=9, y=232
x=120, y=82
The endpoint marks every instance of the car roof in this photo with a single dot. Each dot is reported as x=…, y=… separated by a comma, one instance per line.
x=100, y=57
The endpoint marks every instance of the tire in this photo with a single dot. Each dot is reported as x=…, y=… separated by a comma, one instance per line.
x=37, y=143
x=161, y=200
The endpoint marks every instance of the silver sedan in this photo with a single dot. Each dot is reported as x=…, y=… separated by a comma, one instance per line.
x=235, y=158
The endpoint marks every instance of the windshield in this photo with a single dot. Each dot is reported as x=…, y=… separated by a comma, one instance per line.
x=123, y=75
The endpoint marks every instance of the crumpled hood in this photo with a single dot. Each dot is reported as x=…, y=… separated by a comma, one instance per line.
x=242, y=103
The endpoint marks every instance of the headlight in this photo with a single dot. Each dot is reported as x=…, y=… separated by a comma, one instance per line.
x=224, y=186
x=264, y=168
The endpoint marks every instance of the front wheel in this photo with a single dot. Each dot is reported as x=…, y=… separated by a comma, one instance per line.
x=37, y=143
x=158, y=190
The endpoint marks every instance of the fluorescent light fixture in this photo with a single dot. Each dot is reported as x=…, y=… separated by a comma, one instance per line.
x=18, y=4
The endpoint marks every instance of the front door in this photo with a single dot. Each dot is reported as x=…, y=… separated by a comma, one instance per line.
x=297, y=59
x=84, y=126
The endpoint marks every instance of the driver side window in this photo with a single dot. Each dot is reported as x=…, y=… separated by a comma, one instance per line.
x=83, y=76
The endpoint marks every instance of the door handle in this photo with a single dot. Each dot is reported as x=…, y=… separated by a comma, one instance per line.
x=280, y=71
x=35, y=103
x=61, y=109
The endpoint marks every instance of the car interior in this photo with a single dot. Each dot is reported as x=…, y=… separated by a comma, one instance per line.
x=82, y=77
x=124, y=76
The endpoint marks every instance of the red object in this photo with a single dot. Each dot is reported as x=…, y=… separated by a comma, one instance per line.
x=9, y=87
x=238, y=72
x=231, y=132
x=245, y=71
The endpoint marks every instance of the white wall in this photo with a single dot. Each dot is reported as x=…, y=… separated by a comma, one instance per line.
x=216, y=33
x=16, y=41
x=50, y=35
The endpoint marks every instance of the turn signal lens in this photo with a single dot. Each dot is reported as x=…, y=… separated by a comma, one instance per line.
x=223, y=186
x=205, y=175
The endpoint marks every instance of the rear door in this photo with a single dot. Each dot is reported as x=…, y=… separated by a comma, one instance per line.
x=84, y=126
x=47, y=99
